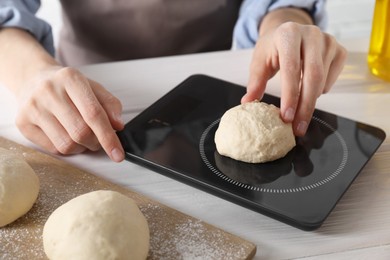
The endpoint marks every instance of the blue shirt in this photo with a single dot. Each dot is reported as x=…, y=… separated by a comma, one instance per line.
x=21, y=14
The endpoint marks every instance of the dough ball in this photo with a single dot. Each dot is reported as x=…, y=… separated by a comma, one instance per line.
x=97, y=225
x=19, y=186
x=254, y=132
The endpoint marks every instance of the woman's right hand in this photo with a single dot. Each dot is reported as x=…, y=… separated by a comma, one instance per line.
x=64, y=112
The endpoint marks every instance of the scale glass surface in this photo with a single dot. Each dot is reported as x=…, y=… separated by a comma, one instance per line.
x=175, y=137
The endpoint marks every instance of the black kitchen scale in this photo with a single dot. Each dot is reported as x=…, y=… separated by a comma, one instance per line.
x=175, y=137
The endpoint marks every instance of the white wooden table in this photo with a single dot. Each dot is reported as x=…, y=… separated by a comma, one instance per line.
x=359, y=226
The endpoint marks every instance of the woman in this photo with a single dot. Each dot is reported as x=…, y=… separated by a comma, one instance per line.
x=64, y=112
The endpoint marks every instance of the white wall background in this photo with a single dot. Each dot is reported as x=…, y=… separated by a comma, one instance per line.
x=349, y=20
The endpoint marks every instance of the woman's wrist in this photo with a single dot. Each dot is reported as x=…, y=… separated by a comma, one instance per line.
x=21, y=57
x=279, y=16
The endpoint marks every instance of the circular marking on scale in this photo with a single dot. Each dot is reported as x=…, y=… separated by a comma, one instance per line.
x=317, y=184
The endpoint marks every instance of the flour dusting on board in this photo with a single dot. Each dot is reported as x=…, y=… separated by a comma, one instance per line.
x=188, y=239
x=22, y=239
x=173, y=235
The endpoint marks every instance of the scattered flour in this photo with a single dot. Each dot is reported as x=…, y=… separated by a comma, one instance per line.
x=173, y=235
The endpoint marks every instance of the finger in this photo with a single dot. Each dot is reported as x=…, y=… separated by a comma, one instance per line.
x=59, y=105
x=304, y=112
x=74, y=125
x=110, y=104
x=95, y=116
x=256, y=84
x=57, y=135
x=335, y=67
x=263, y=66
x=78, y=129
x=289, y=49
x=319, y=75
x=42, y=128
x=313, y=81
x=37, y=136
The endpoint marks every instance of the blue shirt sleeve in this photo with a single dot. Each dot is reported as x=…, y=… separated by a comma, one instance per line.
x=246, y=30
x=21, y=14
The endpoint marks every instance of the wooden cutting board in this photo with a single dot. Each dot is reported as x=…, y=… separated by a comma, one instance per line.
x=173, y=235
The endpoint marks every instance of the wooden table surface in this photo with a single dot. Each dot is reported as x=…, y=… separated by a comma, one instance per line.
x=359, y=226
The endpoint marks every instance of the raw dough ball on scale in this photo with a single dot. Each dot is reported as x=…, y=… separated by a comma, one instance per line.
x=254, y=132
x=98, y=225
x=19, y=186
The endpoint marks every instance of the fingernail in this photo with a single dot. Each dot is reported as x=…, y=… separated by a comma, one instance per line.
x=118, y=118
x=302, y=127
x=249, y=98
x=244, y=98
x=117, y=155
x=289, y=114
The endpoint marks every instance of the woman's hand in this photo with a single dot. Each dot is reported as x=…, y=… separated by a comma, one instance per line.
x=64, y=112
x=59, y=108
x=309, y=61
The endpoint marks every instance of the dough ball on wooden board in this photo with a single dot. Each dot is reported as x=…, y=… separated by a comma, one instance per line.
x=19, y=186
x=254, y=132
x=97, y=225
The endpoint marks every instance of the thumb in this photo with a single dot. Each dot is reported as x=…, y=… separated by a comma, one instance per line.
x=262, y=68
x=258, y=78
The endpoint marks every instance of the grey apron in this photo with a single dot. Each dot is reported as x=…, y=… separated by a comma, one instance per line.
x=110, y=30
